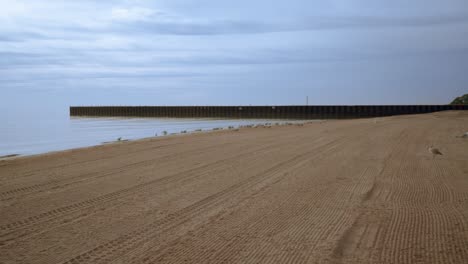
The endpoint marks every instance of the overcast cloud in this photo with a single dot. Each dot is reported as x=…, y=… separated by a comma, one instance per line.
x=193, y=52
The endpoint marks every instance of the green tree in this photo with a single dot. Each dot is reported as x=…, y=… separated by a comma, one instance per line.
x=462, y=100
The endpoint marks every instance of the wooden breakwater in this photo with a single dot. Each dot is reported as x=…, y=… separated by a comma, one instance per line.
x=263, y=112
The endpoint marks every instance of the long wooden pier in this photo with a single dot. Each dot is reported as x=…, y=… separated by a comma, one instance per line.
x=263, y=112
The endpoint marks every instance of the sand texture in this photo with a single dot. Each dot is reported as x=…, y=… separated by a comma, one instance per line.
x=351, y=191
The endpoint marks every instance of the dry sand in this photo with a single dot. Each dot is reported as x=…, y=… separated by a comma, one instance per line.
x=353, y=191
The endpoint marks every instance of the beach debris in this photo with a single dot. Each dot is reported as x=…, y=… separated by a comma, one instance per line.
x=198, y=130
x=230, y=127
x=434, y=151
x=464, y=135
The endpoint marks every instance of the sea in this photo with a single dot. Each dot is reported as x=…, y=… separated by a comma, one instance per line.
x=36, y=134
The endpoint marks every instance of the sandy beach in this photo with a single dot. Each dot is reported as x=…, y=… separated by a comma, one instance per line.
x=343, y=191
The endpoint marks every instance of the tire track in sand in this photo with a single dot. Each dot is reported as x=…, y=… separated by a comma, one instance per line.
x=156, y=253
x=216, y=250
x=106, y=252
x=57, y=215
x=81, y=178
x=362, y=234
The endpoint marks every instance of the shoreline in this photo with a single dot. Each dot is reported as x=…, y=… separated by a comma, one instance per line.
x=9, y=156
x=279, y=123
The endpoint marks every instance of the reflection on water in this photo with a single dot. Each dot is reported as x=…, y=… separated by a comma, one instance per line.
x=45, y=134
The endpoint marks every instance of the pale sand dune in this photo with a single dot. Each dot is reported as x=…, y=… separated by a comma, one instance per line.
x=352, y=191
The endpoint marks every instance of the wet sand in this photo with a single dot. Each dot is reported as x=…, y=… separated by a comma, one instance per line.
x=351, y=191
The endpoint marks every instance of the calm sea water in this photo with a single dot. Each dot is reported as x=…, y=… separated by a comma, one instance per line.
x=26, y=135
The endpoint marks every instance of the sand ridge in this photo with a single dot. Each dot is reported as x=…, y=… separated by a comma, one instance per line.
x=349, y=191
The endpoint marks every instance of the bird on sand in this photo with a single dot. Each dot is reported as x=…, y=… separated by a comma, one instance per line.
x=434, y=151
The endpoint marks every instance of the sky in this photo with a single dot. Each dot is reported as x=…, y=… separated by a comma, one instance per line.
x=57, y=53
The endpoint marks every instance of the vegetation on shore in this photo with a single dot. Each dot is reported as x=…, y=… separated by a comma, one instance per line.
x=462, y=100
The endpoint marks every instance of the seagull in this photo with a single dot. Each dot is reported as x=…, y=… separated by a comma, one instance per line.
x=434, y=151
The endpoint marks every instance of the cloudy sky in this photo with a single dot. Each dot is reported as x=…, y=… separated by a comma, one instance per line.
x=57, y=53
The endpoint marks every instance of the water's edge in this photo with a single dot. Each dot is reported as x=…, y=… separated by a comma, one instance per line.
x=48, y=136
